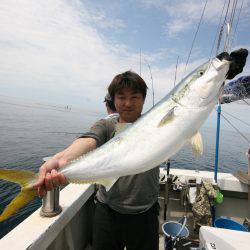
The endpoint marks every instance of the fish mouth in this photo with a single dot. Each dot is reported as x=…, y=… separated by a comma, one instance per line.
x=219, y=64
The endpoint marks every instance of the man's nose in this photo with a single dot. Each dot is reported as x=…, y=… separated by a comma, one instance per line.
x=128, y=102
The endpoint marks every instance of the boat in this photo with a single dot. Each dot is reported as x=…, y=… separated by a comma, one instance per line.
x=72, y=227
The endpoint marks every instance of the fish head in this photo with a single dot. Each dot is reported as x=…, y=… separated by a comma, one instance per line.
x=204, y=85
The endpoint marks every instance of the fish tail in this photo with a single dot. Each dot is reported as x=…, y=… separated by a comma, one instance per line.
x=24, y=178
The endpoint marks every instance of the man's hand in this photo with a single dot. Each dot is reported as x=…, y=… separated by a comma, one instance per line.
x=49, y=178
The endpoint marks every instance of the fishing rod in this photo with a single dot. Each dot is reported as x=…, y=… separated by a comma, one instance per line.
x=176, y=66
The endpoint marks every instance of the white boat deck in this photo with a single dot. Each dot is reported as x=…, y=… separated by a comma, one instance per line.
x=226, y=181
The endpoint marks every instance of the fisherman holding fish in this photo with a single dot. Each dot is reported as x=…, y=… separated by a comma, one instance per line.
x=126, y=215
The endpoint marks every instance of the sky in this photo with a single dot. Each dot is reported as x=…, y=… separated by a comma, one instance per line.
x=66, y=52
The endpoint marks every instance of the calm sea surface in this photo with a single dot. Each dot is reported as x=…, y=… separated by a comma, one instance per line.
x=30, y=132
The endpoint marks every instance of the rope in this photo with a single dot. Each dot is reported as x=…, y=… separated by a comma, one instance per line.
x=243, y=136
x=203, y=11
x=236, y=118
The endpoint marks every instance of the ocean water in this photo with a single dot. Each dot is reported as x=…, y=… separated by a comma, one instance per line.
x=30, y=132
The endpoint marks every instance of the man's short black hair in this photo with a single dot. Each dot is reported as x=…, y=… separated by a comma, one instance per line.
x=109, y=102
x=128, y=79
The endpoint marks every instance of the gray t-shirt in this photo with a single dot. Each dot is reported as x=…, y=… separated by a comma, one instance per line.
x=130, y=194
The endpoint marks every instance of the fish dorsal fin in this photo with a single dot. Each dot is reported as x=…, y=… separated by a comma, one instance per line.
x=167, y=118
x=196, y=143
x=119, y=127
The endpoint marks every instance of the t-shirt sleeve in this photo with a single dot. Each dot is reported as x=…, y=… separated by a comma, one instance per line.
x=98, y=131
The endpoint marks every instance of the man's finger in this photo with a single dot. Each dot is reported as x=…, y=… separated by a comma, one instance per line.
x=48, y=182
x=62, y=179
x=55, y=179
x=41, y=191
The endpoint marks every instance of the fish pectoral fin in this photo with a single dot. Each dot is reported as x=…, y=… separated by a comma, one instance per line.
x=196, y=143
x=23, y=198
x=107, y=183
x=167, y=118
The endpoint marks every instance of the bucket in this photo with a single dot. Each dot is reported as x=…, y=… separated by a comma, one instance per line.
x=229, y=224
x=172, y=229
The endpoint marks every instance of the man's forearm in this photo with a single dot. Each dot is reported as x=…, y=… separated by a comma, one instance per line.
x=79, y=147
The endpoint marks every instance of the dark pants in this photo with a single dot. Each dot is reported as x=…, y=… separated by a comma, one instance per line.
x=114, y=231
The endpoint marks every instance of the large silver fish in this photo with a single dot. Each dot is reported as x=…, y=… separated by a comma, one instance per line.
x=152, y=139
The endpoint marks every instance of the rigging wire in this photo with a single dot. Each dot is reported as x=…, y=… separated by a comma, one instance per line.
x=229, y=26
x=217, y=31
x=236, y=118
x=198, y=27
x=243, y=136
x=222, y=29
x=237, y=22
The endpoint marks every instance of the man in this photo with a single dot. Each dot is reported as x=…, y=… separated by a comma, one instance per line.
x=127, y=215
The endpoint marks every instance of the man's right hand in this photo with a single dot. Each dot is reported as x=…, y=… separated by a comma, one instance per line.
x=49, y=178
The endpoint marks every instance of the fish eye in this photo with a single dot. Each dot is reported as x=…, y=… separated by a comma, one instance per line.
x=201, y=72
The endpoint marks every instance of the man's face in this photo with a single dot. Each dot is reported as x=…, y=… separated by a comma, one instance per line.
x=129, y=104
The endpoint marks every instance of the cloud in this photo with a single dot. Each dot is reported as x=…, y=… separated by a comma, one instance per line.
x=183, y=15
x=54, y=47
x=54, y=50
x=100, y=18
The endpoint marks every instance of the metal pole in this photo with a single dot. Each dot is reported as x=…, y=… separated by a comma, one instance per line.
x=50, y=206
x=217, y=143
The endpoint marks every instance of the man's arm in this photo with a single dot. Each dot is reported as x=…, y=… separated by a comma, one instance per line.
x=49, y=178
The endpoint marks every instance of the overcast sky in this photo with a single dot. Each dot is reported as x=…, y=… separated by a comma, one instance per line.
x=66, y=52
